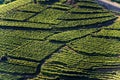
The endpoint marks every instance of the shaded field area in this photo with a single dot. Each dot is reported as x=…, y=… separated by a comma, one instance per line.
x=57, y=41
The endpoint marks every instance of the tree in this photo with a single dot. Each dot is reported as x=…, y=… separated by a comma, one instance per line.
x=35, y=1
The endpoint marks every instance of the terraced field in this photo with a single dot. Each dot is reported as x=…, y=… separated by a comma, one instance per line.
x=57, y=41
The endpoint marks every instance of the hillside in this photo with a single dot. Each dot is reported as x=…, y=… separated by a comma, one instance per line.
x=56, y=41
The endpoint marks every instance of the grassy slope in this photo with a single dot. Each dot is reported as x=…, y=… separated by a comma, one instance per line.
x=67, y=43
x=13, y=5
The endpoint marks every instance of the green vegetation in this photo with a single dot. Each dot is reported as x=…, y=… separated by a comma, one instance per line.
x=52, y=40
x=25, y=24
x=71, y=35
x=8, y=76
x=13, y=5
x=31, y=7
x=83, y=23
x=74, y=66
x=100, y=46
x=36, y=50
x=38, y=35
x=108, y=33
x=16, y=15
x=87, y=10
x=88, y=4
x=85, y=16
x=48, y=17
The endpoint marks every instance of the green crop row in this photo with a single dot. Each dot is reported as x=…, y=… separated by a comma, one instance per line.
x=23, y=62
x=24, y=24
x=21, y=56
x=81, y=23
x=68, y=64
x=18, y=67
x=48, y=17
x=9, y=76
x=12, y=68
x=7, y=44
x=13, y=5
x=61, y=7
x=70, y=35
x=60, y=2
x=11, y=39
x=108, y=33
x=61, y=64
x=87, y=10
x=31, y=7
x=96, y=46
x=88, y=4
x=16, y=15
x=84, y=16
x=33, y=35
x=36, y=50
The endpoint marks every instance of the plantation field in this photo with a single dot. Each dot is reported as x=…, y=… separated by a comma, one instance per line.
x=53, y=40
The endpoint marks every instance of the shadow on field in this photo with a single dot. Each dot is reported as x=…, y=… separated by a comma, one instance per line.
x=75, y=78
x=49, y=2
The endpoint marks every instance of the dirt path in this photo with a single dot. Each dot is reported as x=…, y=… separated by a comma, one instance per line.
x=113, y=6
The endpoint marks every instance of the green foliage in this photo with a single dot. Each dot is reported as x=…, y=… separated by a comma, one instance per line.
x=13, y=39
x=36, y=50
x=85, y=16
x=108, y=33
x=24, y=24
x=70, y=35
x=48, y=17
x=16, y=16
x=8, y=67
x=89, y=4
x=32, y=37
x=96, y=46
x=31, y=7
x=37, y=35
x=8, y=76
x=13, y=5
x=87, y=10
x=7, y=43
x=61, y=6
x=70, y=65
x=83, y=23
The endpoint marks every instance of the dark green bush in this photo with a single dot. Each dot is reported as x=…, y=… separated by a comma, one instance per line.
x=6, y=1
